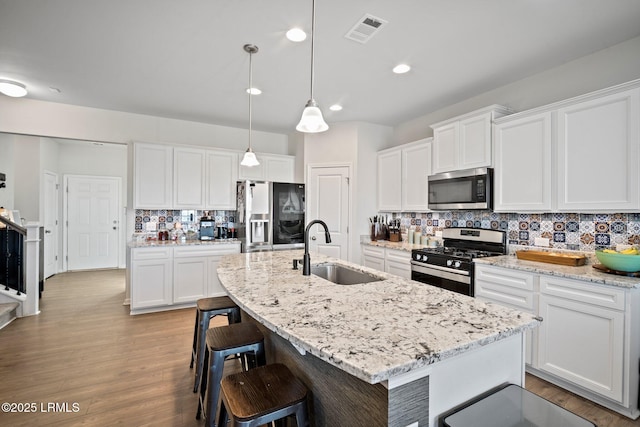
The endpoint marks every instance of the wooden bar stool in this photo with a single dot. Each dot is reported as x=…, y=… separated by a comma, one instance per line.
x=261, y=395
x=206, y=309
x=237, y=338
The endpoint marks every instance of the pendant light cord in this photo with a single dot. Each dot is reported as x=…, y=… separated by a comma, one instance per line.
x=313, y=34
x=250, y=95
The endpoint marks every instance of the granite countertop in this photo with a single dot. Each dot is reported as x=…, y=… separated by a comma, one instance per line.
x=177, y=243
x=403, y=246
x=373, y=331
x=584, y=272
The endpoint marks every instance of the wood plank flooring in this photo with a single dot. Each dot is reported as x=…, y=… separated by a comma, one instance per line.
x=103, y=367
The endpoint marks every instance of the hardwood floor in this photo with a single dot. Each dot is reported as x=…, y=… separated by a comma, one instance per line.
x=109, y=368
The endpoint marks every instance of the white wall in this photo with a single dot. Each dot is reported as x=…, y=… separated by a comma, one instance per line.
x=7, y=168
x=31, y=117
x=608, y=67
x=26, y=198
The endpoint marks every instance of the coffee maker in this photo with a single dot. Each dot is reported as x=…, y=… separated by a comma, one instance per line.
x=207, y=227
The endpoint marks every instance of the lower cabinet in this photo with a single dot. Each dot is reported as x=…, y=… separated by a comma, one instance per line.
x=167, y=277
x=581, y=339
x=393, y=261
x=588, y=341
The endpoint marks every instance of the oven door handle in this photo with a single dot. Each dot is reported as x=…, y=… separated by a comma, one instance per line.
x=437, y=271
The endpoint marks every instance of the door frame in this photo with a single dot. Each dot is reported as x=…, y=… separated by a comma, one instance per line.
x=65, y=217
x=55, y=233
x=349, y=166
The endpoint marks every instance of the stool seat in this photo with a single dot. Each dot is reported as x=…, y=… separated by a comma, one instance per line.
x=206, y=308
x=214, y=303
x=262, y=395
x=223, y=341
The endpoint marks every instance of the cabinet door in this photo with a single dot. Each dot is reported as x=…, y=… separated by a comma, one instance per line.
x=398, y=262
x=279, y=169
x=597, y=150
x=523, y=172
x=151, y=283
x=253, y=173
x=188, y=178
x=190, y=279
x=373, y=257
x=416, y=167
x=152, y=176
x=475, y=142
x=445, y=148
x=389, y=180
x=221, y=176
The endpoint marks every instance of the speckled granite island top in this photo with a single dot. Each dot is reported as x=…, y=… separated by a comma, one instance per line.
x=373, y=331
x=177, y=243
x=583, y=272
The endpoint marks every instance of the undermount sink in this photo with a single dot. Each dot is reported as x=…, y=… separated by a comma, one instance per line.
x=341, y=275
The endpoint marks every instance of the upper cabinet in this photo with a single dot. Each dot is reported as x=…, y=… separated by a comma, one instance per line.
x=272, y=167
x=578, y=155
x=464, y=142
x=168, y=177
x=523, y=165
x=402, y=177
x=152, y=176
x=597, y=150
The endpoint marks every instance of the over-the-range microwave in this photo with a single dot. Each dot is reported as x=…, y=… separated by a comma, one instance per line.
x=466, y=189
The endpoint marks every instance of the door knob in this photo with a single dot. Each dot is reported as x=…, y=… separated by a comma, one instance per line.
x=313, y=237
x=115, y=228
x=47, y=231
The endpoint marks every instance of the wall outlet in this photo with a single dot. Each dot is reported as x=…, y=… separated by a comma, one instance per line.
x=541, y=241
x=150, y=226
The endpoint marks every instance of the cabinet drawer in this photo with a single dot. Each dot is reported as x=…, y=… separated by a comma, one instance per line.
x=372, y=251
x=398, y=256
x=206, y=250
x=576, y=290
x=511, y=288
x=140, y=254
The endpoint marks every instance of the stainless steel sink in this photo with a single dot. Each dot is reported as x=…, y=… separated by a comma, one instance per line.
x=341, y=275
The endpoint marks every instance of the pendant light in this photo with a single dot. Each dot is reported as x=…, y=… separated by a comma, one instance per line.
x=249, y=158
x=312, y=120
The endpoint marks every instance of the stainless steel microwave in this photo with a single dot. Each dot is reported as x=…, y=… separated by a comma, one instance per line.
x=466, y=189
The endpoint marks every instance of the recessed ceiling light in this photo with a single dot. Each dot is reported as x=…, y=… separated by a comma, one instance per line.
x=401, y=68
x=13, y=89
x=335, y=107
x=254, y=91
x=54, y=89
x=296, y=35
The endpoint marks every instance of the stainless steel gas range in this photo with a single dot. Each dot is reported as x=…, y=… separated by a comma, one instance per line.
x=451, y=265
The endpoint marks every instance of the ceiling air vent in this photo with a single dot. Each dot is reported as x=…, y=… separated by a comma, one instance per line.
x=365, y=28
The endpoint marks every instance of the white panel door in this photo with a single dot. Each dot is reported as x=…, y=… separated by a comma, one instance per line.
x=188, y=178
x=221, y=176
x=445, y=148
x=93, y=207
x=328, y=200
x=50, y=224
x=190, y=281
x=475, y=142
x=389, y=180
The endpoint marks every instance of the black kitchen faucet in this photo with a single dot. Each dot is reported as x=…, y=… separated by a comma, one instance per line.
x=306, y=259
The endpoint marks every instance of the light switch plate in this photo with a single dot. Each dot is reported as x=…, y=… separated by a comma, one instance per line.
x=150, y=226
x=541, y=241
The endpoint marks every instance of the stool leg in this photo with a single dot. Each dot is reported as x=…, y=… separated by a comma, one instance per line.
x=223, y=419
x=302, y=417
x=216, y=366
x=203, y=385
x=203, y=325
x=195, y=341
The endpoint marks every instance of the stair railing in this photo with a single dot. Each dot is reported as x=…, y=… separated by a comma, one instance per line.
x=12, y=256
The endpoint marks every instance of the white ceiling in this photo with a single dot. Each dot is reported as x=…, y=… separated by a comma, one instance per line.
x=185, y=59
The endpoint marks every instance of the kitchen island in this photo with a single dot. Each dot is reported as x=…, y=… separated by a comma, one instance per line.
x=392, y=352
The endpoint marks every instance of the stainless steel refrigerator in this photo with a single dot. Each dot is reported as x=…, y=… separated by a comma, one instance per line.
x=271, y=215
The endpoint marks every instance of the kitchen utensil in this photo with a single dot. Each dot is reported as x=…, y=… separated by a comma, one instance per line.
x=619, y=262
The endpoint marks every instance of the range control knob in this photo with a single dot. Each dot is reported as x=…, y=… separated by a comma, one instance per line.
x=457, y=264
x=449, y=262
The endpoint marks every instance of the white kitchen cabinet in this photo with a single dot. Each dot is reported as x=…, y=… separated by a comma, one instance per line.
x=465, y=142
x=598, y=143
x=581, y=339
x=402, y=177
x=523, y=169
x=389, y=180
x=165, y=278
x=188, y=178
x=220, y=182
x=151, y=277
x=272, y=167
x=152, y=176
x=398, y=262
x=514, y=289
x=373, y=257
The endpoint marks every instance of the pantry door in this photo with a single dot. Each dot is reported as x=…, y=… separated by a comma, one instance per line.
x=328, y=200
x=92, y=221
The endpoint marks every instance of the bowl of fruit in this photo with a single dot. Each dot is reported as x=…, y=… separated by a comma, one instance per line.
x=627, y=260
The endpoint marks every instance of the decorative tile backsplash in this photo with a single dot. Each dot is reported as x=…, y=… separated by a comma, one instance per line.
x=584, y=232
x=166, y=219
